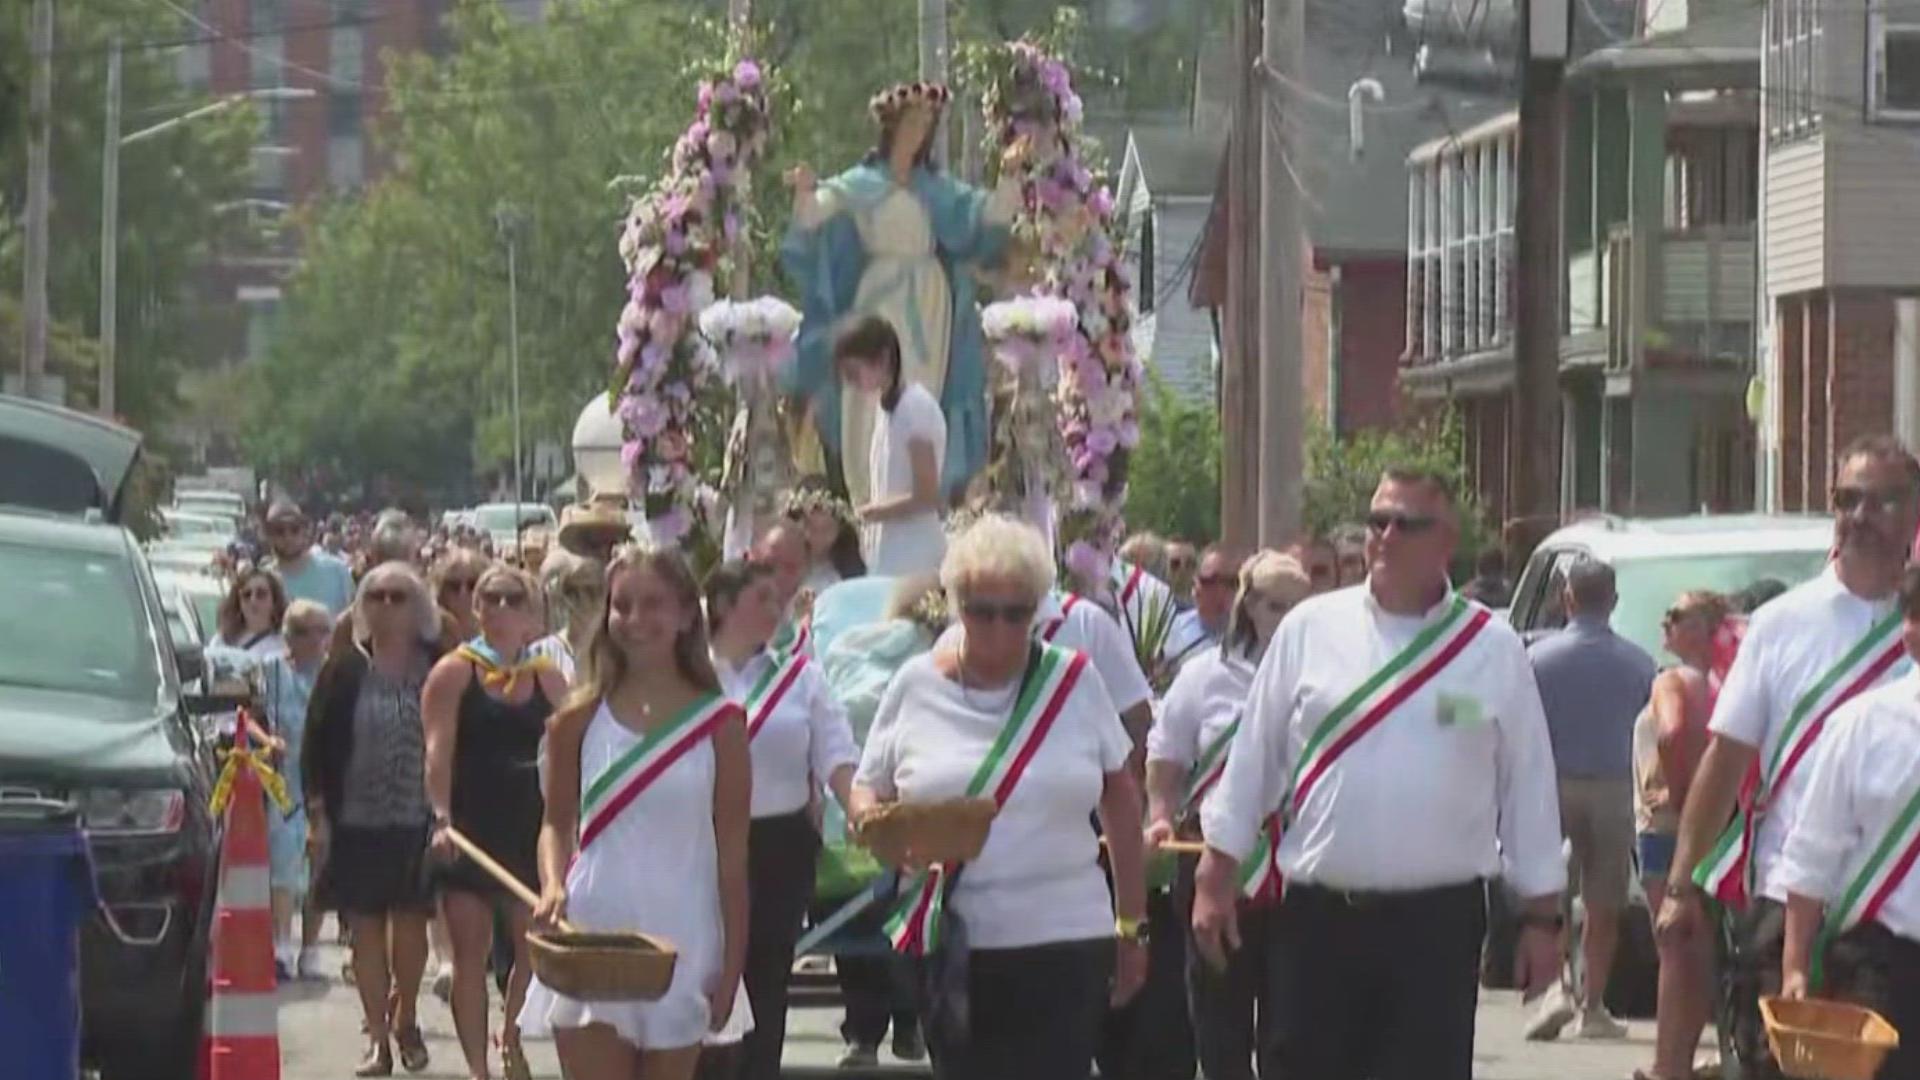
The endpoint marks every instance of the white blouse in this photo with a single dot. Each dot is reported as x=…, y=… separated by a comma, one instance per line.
x=802, y=741
x=1038, y=879
x=1203, y=702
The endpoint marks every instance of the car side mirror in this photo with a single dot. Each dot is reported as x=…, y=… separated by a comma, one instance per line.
x=190, y=662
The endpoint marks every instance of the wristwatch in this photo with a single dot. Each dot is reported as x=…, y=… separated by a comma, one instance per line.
x=1133, y=931
x=1555, y=922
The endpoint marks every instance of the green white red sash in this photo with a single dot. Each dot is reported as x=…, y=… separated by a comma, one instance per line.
x=1054, y=624
x=1889, y=863
x=1360, y=712
x=1727, y=873
x=767, y=694
x=630, y=774
x=914, y=927
x=1209, y=769
x=793, y=638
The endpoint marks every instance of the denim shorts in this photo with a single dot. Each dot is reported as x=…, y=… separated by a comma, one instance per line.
x=287, y=849
x=1656, y=853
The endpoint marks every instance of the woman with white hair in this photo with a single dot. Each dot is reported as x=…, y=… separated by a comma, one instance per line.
x=576, y=588
x=368, y=815
x=1186, y=755
x=998, y=715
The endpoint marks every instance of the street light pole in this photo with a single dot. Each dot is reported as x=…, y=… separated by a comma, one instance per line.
x=506, y=219
x=110, y=238
x=33, y=350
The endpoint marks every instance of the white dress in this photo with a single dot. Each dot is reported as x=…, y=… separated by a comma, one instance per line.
x=913, y=545
x=656, y=870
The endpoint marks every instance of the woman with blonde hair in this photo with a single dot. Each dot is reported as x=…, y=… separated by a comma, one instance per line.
x=455, y=578
x=1186, y=754
x=368, y=815
x=648, y=799
x=576, y=587
x=1047, y=949
x=485, y=707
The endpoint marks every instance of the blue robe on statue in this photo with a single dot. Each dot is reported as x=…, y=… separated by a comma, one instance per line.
x=828, y=262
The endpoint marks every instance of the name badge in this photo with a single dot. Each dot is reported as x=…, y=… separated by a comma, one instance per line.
x=1460, y=711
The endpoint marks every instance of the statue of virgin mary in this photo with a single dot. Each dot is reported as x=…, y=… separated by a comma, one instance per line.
x=894, y=236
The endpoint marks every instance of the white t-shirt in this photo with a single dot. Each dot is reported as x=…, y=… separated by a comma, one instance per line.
x=1203, y=702
x=558, y=653
x=1038, y=879
x=1086, y=626
x=803, y=740
x=912, y=545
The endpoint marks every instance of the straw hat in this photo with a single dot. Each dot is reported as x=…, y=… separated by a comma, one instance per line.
x=594, y=526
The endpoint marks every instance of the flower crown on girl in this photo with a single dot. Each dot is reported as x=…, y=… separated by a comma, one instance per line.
x=888, y=104
x=806, y=501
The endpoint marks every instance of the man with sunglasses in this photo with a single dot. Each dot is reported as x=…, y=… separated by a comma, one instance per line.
x=1204, y=624
x=1392, y=758
x=308, y=573
x=1803, y=656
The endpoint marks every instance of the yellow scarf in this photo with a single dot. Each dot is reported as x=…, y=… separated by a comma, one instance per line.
x=496, y=674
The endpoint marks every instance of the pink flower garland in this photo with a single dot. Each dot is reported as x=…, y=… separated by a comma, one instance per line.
x=674, y=242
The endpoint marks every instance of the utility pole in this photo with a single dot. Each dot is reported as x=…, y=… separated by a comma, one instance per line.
x=1281, y=457
x=933, y=62
x=1533, y=444
x=1240, y=365
x=740, y=22
x=507, y=219
x=110, y=240
x=33, y=350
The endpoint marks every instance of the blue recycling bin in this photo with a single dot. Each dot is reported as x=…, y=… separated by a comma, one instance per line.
x=46, y=892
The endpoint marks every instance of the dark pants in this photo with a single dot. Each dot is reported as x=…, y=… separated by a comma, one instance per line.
x=1234, y=1013
x=781, y=852
x=876, y=986
x=1751, y=944
x=1036, y=1013
x=1872, y=966
x=1378, y=986
x=1149, y=1038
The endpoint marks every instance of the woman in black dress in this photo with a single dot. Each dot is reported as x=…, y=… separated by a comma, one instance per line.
x=486, y=706
x=364, y=764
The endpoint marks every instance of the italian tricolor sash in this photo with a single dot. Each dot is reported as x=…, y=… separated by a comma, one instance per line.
x=1889, y=863
x=767, y=693
x=1054, y=624
x=1360, y=712
x=622, y=782
x=1209, y=769
x=1727, y=873
x=914, y=927
x=793, y=638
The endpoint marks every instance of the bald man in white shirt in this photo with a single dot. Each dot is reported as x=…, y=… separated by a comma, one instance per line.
x=1399, y=726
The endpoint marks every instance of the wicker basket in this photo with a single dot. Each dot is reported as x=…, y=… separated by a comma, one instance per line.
x=1826, y=1040
x=921, y=834
x=602, y=967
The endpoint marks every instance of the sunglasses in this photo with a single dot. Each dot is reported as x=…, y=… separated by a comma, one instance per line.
x=1013, y=614
x=1847, y=500
x=394, y=597
x=1179, y=565
x=1215, y=581
x=502, y=599
x=284, y=528
x=1380, y=521
x=256, y=592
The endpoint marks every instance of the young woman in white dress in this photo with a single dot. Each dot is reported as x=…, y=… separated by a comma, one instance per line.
x=647, y=806
x=902, y=521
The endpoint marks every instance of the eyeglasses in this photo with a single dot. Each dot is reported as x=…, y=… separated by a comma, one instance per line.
x=1013, y=614
x=386, y=596
x=1847, y=500
x=513, y=598
x=1380, y=521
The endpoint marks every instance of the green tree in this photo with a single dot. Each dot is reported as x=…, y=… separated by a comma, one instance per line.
x=1173, y=478
x=1343, y=471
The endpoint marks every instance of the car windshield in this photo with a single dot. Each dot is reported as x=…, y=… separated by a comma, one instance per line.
x=196, y=525
x=500, y=518
x=1648, y=587
x=87, y=635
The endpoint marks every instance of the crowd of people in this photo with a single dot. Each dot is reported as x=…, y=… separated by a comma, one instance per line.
x=1355, y=749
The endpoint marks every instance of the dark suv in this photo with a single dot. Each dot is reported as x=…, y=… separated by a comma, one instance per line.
x=92, y=713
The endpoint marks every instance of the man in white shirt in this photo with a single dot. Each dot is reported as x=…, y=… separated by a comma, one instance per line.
x=1399, y=726
x=1804, y=654
x=1848, y=864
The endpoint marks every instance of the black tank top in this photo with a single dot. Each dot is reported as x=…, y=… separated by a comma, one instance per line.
x=496, y=775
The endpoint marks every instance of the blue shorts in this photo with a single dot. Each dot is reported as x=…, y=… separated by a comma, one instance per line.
x=1656, y=853
x=287, y=850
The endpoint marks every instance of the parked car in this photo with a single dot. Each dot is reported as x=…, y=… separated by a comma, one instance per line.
x=191, y=524
x=66, y=462
x=207, y=500
x=93, y=714
x=499, y=522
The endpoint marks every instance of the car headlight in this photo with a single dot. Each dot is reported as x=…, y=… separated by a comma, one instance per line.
x=119, y=811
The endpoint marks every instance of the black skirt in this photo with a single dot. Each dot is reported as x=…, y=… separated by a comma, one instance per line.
x=373, y=871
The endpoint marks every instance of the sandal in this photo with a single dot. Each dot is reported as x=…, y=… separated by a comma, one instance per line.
x=377, y=1061
x=413, y=1049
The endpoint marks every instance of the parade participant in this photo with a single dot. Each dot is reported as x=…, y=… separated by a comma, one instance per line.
x=1803, y=655
x=894, y=237
x=784, y=550
x=1204, y=625
x=799, y=740
x=576, y=593
x=1593, y=684
x=901, y=520
x=307, y=572
x=1668, y=739
x=367, y=809
x=454, y=579
x=286, y=687
x=251, y=615
x=1147, y=550
x=1847, y=863
x=1183, y=563
x=1233, y=1012
x=832, y=541
x=485, y=707
x=1386, y=850
x=1350, y=554
x=646, y=823
x=1316, y=554
x=1039, y=923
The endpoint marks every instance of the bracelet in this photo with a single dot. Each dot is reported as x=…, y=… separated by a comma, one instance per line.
x=1133, y=931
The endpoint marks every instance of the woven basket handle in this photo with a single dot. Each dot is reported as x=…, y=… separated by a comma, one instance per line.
x=501, y=874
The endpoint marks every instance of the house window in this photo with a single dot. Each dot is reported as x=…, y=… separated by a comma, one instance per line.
x=1896, y=69
x=1794, y=70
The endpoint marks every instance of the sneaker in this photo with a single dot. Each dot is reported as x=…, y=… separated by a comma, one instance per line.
x=908, y=1045
x=1596, y=1024
x=282, y=971
x=443, y=984
x=1556, y=1012
x=860, y=1057
x=307, y=966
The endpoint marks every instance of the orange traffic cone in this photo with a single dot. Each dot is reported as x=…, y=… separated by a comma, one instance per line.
x=243, y=1034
